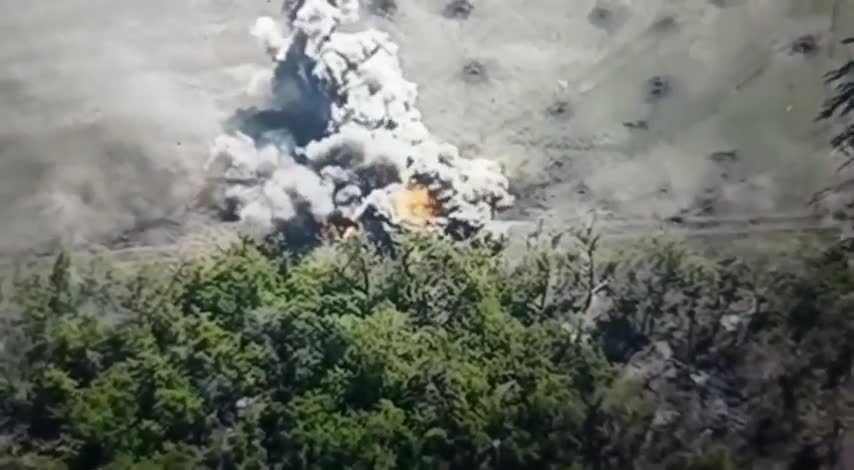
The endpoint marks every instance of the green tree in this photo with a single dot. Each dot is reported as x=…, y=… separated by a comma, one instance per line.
x=342, y=358
x=431, y=354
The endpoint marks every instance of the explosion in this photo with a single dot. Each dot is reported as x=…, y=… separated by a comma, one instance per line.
x=415, y=205
x=340, y=227
x=343, y=140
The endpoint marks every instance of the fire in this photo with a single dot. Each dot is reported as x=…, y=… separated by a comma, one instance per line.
x=416, y=206
x=351, y=231
x=341, y=227
x=413, y=204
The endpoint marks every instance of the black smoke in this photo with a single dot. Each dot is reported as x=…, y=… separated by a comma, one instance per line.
x=301, y=104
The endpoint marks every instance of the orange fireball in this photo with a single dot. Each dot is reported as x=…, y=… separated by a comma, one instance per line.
x=415, y=205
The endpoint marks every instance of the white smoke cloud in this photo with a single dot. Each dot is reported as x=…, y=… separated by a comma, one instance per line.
x=374, y=140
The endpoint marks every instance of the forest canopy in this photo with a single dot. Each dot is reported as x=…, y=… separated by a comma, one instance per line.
x=431, y=354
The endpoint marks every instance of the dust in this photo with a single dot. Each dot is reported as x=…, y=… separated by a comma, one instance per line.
x=107, y=110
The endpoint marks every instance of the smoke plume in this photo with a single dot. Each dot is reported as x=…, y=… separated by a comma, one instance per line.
x=342, y=137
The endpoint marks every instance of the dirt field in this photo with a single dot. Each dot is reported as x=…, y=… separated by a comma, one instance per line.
x=644, y=110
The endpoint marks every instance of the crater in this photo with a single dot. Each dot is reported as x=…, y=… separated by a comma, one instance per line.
x=458, y=9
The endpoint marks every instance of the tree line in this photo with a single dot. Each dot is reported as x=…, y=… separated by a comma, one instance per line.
x=431, y=354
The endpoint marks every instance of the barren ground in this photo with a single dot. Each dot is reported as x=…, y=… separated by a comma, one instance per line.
x=108, y=107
